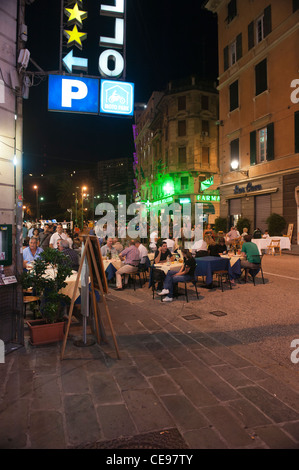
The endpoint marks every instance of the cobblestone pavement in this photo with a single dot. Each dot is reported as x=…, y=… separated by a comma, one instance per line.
x=223, y=382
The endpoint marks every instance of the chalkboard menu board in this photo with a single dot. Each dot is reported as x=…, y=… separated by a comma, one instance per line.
x=95, y=249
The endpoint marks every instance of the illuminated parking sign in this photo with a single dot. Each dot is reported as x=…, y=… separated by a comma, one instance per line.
x=73, y=94
x=117, y=98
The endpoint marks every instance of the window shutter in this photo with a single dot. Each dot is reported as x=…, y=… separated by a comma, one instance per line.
x=239, y=46
x=251, y=35
x=234, y=96
x=261, y=80
x=253, y=148
x=296, y=117
x=270, y=141
x=225, y=58
x=267, y=21
x=234, y=150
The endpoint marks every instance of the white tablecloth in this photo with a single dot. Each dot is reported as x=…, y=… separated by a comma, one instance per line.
x=166, y=267
x=263, y=243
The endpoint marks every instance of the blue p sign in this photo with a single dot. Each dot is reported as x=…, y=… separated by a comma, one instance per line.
x=73, y=94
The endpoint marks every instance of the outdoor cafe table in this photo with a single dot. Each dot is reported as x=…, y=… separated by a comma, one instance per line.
x=263, y=243
x=112, y=265
x=165, y=267
x=206, y=265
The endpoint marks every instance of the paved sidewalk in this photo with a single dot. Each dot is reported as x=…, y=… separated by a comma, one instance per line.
x=172, y=377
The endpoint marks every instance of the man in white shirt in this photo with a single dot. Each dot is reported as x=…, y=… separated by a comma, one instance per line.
x=200, y=245
x=170, y=243
x=58, y=235
x=153, y=241
x=143, y=253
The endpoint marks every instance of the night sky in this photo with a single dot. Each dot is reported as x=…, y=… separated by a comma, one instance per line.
x=165, y=39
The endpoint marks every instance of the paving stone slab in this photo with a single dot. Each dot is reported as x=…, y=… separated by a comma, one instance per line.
x=81, y=421
x=104, y=389
x=184, y=413
x=115, y=421
x=222, y=390
x=147, y=410
x=196, y=392
x=231, y=431
x=269, y=405
x=275, y=438
x=204, y=438
x=14, y=424
x=46, y=430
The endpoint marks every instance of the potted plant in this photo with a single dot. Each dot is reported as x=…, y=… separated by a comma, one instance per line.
x=47, y=278
x=276, y=224
x=220, y=224
x=242, y=223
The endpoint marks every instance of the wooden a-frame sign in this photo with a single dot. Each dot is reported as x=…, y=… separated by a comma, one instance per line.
x=92, y=251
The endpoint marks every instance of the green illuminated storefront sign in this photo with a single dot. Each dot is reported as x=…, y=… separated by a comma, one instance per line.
x=207, y=198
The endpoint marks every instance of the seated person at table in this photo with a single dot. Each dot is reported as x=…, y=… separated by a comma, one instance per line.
x=266, y=234
x=162, y=254
x=170, y=243
x=131, y=257
x=143, y=253
x=208, y=231
x=212, y=246
x=186, y=273
x=108, y=250
x=199, y=249
x=31, y=252
x=221, y=246
x=232, y=236
x=64, y=247
x=250, y=255
x=245, y=232
x=117, y=245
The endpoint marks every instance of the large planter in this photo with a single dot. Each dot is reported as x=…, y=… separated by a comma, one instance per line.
x=45, y=333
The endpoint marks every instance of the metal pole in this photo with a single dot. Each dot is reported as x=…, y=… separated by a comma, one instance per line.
x=82, y=221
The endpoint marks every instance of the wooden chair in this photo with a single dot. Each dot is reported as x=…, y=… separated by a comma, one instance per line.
x=220, y=275
x=194, y=282
x=28, y=299
x=274, y=245
x=259, y=268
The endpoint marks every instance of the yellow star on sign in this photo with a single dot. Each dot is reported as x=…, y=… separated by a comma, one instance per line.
x=74, y=37
x=75, y=15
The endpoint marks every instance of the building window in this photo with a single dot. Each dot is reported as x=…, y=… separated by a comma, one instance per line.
x=205, y=155
x=233, y=53
x=205, y=128
x=259, y=29
x=204, y=102
x=261, y=77
x=181, y=103
x=262, y=145
x=181, y=128
x=234, y=152
x=184, y=183
x=234, y=95
x=231, y=10
x=182, y=156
